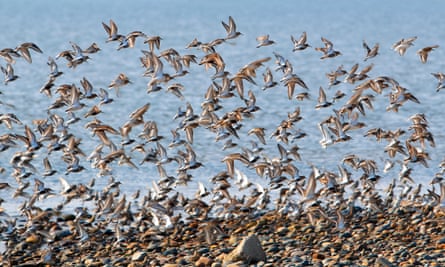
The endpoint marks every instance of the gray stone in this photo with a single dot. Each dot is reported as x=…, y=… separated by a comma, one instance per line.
x=249, y=251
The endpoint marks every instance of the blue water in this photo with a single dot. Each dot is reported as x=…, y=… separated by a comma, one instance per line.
x=52, y=25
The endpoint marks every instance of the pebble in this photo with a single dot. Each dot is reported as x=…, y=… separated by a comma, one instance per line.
x=138, y=256
x=203, y=262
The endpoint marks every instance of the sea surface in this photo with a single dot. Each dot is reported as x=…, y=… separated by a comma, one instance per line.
x=52, y=25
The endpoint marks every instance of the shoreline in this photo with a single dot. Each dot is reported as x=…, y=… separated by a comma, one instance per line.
x=410, y=235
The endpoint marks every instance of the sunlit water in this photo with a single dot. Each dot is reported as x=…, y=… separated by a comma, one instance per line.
x=52, y=25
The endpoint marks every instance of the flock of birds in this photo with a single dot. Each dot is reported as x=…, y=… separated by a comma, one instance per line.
x=321, y=194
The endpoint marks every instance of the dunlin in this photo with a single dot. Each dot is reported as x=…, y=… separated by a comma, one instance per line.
x=9, y=73
x=120, y=81
x=264, y=40
x=300, y=43
x=424, y=52
x=328, y=49
x=230, y=28
x=112, y=31
x=24, y=48
x=370, y=52
x=322, y=101
x=403, y=44
x=130, y=39
x=441, y=80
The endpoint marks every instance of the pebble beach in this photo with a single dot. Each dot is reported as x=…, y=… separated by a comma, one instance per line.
x=410, y=236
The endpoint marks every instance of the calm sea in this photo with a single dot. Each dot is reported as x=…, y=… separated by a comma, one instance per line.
x=53, y=25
